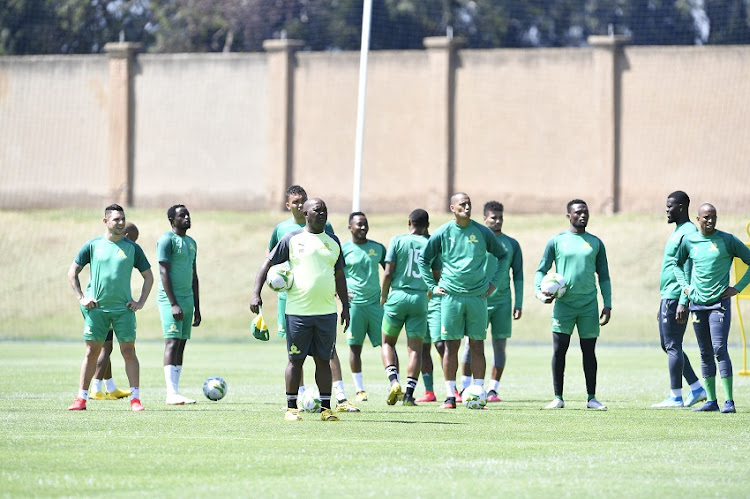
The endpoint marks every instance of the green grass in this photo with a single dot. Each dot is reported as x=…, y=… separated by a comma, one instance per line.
x=241, y=446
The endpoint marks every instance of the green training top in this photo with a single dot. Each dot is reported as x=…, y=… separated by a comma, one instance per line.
x=287, y=226
x=577, y=257
x=111, y=265
x=404, y=251
x=669, y=288
x=313, y=260
x=180, y=252
x=711, y=257
x=500, y=272
x=362, y=277
x=463, y=251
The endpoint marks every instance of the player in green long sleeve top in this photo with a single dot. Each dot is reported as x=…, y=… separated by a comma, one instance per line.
x=462, y=244
x=577, y=255
x=672, y=332
x=711, y=252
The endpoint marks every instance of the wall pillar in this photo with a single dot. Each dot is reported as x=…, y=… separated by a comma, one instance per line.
x=280, y=148
x=609, y=63
x=121, y=113
x=440, y=125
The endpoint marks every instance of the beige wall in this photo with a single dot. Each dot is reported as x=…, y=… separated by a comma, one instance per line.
x=531, y=128
x=53, y=131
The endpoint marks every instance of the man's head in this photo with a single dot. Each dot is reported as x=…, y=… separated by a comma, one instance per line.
x=179, y=218
x=578, y=214
x=316, y=214
x=359, y=227
x=295, y=199
x=493, y=216
x=707, y=219
x=461, y=208
x=131, y=231
x=419, y=221
x=677, y=207
x=114, y=219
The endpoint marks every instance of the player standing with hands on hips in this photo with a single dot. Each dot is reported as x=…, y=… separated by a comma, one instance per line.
x=711, y=252
x=316, y=262
x=108, y=303
x=577, y=255
x=178, y=299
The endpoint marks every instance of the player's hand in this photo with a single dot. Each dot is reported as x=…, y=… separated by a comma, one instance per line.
x=383, y=299
x=437, y=290
x=682, y=314
x=728, y=293
x=606, y=312
x=516, y=314
x=490, y=290
x=196, y=318
x=134, y=305
x=255, y=304
x=345, y=318
x=88, y=303
x=544, y=297
x=177, y=312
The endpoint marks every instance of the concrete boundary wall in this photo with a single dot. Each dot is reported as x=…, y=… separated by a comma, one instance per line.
x=619, y=126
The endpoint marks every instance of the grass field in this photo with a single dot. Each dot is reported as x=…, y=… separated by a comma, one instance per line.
x=241, y=446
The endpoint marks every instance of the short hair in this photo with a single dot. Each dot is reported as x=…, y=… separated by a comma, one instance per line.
x=419, y=218
x=113, y=207
x=294, y=190
x=492, y=206
x=172, y=210
x=574, y=201
x=681, y=197
x=356, y=214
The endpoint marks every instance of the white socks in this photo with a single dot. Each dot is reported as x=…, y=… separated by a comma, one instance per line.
x=83, y=394
x=465, y=382
x=135, y=393
x=109, y=385
x=494, y=386
x=338, y=390
x=172, y=378
x=96, y=385
x=359, y=385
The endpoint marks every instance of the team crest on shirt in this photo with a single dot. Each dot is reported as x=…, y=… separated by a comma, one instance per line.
x=472, y=239
x=714, y=248
x=556, y=322
x=293, y=350
x=173, y=328
x=586, y=245
x=121, y=254
x=371, y=252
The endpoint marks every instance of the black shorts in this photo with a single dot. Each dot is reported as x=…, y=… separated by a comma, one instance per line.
x=313, y=335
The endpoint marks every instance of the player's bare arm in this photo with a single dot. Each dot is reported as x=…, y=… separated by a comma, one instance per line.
x=166, y=282
x=341, y=291
x=86, y=302
x=260, y=278
x=385, y=288
x=196, y=297
x=728, y=293
x=148, y=283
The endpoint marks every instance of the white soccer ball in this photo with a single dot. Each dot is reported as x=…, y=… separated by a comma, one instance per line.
x=474, y=397
x=214, y=388
x=310, y=401
x=280, y=278
x=553, y=284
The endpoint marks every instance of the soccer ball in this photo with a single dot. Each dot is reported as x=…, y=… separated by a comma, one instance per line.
x=310, y=401
x=214, y=388
x=474, y=397
x=553, y=284
x=280, y=277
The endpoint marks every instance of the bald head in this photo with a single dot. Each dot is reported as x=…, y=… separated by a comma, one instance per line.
x=316, y=215
x=461, y=208
x=707, y=219
x=131, y=231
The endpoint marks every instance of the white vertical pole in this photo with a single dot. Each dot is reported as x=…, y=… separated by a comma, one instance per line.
x=360, y=132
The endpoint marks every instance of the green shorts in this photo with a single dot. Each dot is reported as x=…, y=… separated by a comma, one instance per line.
x=365, y=319
x=405, y=309
x=500, y=319
x=98, y=322
x=463, y=316
x=584, y=318
x=171, y=327
x=433, y=320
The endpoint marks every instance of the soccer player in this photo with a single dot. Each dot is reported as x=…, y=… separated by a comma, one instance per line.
x=316, y=261
x=577, y=255
x=672, y=332
x=462, y=245
x=178, y=297
x=107, y=302
x=296, y=196
x=711, y=253
x=103, y=386
x=362, y=257
x=500, y=312
x=404, y=296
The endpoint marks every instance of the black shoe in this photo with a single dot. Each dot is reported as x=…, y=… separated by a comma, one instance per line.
x=409, y=400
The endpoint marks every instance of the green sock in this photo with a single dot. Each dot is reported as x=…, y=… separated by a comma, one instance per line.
x=727, y=384
x=710, y=383
x=427, y=379
x=592, y=396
